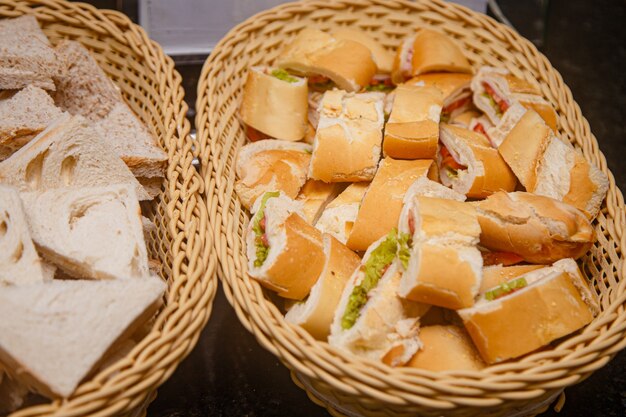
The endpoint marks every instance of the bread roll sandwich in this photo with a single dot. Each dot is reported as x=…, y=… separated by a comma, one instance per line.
x=64, y=221
x=315, y=313
x=455, y=87
x=446, y=348
x=54, y=333
x=348, y=138
x=382, y=57
x=439, y=236
x=428, y=51
x=495, y=90
x=328, y=61
x=469, y=164
x=539, y=229
x=339, y=216
x=19, y=262
x=375, y=218
x=371, y=321
x=315, y=196
x=548, y=166
x=24, y=114
x=412, y=131
x=285, y=253
x=274, y=104
x=271, y=165
x=529, y=312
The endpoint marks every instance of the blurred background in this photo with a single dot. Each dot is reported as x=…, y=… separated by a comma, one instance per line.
x=228, y=373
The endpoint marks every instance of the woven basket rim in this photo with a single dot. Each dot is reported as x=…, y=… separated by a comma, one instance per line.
x=129, y=384
x=265, y=320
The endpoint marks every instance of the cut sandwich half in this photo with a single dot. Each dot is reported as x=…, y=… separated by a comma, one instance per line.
x=315, y=313
x=26, y=57
x=371, y=321
x=271, y=165
x=69, y=153
x=64, y=221
x=55, y=333
x=382, y=57
x=455, y=89
x=285, y=253
x=23, y=115
x=530, y=311
x=19, y=262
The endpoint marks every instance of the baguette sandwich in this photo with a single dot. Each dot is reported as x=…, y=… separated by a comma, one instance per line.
x=371, y=321
x=328, y=61
x=455, y=88
x=315, y=314
x=549, y=166
x=348, y=138
x=285, y=253
x=271, y=165
x=339, y=216
x=428, y=51
x=412, y=131
x=469, y=164
x=274, y=104
x=392, y=180
x=522, y=315
x=537, y=228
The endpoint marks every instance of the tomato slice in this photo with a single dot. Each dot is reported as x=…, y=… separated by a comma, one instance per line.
x=456, y=105
x=411, y=223
x=448, y=160
x=255, y=135
x=502, y=104
x=480, y=129
x=318, y=79
x=501, y=258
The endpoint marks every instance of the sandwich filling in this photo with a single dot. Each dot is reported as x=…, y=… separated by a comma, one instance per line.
x=320, y=83
x=381, y=83
x=506, y=288
x=446, y=112
x=501, y=258
x=283, y=75
x=498, y=103
x=449, y=164
x=373, y=269
x=262, y=245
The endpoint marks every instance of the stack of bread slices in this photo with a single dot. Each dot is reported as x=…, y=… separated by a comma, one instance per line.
x=77, y=289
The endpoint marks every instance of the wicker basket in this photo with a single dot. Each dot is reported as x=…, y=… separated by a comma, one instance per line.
x=151, y=86
x=349, y=385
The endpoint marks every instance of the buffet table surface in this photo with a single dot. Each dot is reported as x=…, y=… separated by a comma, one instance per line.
x=230, y=374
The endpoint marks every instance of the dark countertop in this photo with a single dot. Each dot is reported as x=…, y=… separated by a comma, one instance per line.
x=229, y=374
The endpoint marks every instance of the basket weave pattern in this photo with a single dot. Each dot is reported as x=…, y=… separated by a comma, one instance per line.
x=372, y=388
x=152, y=88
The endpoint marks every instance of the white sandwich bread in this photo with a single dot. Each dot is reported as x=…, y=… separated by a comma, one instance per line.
x=54, y=333
x=285, y=253
x=536, y=308
x=320, y=56
x=469, y=165
x=439, y=236
x=271, y=165
x=371, y=321
x=412, y=131
x=339, y=216
x=537, y=228
x=391, y=182
x=348, y=138
x=315, y=314
x=64, y=222
x=69, y=153
x=23, y=115
x=26, y=57
x=86, y=90
x=19, y=261
x=274, y=104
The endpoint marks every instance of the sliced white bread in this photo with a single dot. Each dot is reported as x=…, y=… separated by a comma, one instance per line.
x=22, y=116
x=19, y=262
x=66, y=221
x=86, y=90
x=26, y=57
x=69, y=153
x=54, y=334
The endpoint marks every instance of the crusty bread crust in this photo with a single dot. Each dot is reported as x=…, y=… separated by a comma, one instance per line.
x=382, y=57
x=315, y=196
x=436, y=52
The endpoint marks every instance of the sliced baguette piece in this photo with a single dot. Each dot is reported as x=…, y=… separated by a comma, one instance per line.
x=340, y=214
x=64, y=222
x=19, y=262
x=315, y=196
x=382, y=57
x=26, y=56
x=315, y=314
x=24, y=115
x=69, y=153
x=54, y=333
x=547, y=304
